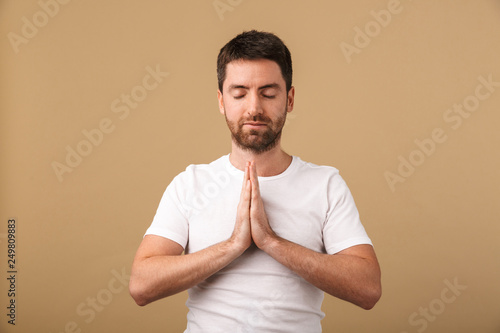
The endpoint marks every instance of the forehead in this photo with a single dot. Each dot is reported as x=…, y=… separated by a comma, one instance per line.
x=252, y=73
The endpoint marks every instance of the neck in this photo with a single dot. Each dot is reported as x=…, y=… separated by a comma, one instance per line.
x=269, y=163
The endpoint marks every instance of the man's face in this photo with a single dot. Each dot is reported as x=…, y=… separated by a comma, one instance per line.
x=255, y=102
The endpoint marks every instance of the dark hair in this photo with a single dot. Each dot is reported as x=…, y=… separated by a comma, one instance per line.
x=252, y=45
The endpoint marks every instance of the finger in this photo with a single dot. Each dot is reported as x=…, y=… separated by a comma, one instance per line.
x=246, y=197
x=246, y=176
x=255, y=180
x=248, y=189
x=244, y=205
x=247, y=171
x=248, y=183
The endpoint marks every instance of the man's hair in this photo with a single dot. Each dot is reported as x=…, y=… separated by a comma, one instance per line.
x=253, y=45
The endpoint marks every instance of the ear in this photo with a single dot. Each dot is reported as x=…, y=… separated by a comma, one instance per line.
x=291, y=99
x=221, y=102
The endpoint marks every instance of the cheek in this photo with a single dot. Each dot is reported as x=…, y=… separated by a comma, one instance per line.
x=276, y=109
x=233, y=109
x=231, y=116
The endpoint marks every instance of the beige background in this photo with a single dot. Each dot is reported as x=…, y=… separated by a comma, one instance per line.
x=357, y=113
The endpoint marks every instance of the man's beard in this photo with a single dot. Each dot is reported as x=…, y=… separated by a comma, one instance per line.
x=257, y=141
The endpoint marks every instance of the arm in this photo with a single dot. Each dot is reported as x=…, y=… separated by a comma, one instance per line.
x=352, y=274
x=159, y=270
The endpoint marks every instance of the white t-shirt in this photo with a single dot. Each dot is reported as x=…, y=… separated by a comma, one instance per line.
x=306, y=204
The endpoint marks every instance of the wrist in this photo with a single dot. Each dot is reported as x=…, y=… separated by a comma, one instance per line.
x=234, y=247
x=270, y=242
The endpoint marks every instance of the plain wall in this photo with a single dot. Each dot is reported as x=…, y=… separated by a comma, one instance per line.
x=379, y=86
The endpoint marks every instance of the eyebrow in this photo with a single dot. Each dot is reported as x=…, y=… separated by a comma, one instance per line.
x=267, y=86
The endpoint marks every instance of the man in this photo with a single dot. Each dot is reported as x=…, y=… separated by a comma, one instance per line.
x=264, y=233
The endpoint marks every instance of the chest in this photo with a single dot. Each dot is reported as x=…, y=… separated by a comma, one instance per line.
x=295, y=213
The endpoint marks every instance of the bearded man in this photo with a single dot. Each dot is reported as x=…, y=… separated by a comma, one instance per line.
x=258, y=235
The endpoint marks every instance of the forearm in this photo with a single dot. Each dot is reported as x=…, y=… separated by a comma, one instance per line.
x=351, y=278
x=157, y=277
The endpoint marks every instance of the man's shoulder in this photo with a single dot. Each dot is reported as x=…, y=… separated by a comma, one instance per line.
x=320, y=169
x=197, y=170
x=218, y=163
x=319, y=175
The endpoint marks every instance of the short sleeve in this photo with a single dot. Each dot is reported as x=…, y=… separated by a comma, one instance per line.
x=343, y=227
x=170, y=219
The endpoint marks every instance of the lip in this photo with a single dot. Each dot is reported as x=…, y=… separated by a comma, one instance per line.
x=254, y=124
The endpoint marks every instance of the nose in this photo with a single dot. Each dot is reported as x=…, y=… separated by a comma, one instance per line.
x=254, y=107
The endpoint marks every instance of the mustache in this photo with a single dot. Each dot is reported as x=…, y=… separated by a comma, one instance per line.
x=259, y=118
